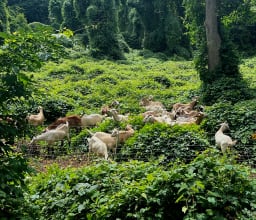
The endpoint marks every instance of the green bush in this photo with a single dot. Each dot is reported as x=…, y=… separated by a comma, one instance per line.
x=209, y=187
x=54, y=109
x=174, y=142
x=231, y=89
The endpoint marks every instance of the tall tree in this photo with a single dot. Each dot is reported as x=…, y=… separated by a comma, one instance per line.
x=4, y=16
x=100, y=20
x=55, y=16
x=70, y=20
x=212, y=35
x=216, y=58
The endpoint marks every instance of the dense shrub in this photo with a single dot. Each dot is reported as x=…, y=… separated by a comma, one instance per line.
x=54, y=109
x=174, y=142
x=13, y=168
x=208, y=187
x=229, y=89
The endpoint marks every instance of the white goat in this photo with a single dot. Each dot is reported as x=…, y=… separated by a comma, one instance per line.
x=37, y=119
x=91, y=120
x=118, y=117
x=222, y=140
x=160, y=119
x=123, y=135
x=107, y=138
x=98, y=147
x=195, y=119
x=53, y=135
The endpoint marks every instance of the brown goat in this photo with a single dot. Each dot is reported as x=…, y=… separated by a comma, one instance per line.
x=73, y=120
x=177, y=107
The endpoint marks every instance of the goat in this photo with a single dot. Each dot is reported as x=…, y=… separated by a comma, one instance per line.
x=118, y=117
x=91, y=120
x=196, y=119
x=53, y=135
x=153, y=119
x=98, y=147
x=177, y=107
x=107, y=138
x=37, y=119
x=105, y=109
x=222, y=140
x=123, y=135
x=150, y=105
x=160, y=119
x=73, y=120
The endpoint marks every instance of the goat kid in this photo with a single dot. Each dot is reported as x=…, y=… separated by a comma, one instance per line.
x=123, y=135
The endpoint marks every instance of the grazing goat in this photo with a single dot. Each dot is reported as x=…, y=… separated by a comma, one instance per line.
x=160, y=119
x=73, y=120
x=107, y=138
x=195, y=119
x=222, y=140
x=177, y=107
x=54, y=135
x=123, y=135
x=37, y=119
x=98, y=147
x=118, y=117
x=105, y=109
x=150, y=105
x=91, y=120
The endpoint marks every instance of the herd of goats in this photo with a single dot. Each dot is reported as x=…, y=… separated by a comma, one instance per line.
x=101, y=143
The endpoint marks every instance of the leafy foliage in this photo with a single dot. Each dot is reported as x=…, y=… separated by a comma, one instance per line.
x=20, y=52
x=208, y=186
x=183, y=142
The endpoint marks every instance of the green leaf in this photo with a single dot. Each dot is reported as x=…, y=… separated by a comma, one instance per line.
x=184, y=209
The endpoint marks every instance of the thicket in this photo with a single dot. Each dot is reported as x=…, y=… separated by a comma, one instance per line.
x=210, y=186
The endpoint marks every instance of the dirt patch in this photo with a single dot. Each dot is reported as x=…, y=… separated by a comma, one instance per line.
x=41, y=164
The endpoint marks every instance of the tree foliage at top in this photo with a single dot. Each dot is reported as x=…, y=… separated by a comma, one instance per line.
x=163, y=28
x=34, y=10
x=101, y=23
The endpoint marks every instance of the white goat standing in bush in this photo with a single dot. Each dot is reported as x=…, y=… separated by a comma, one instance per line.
x=222, y=140
x=98, y=147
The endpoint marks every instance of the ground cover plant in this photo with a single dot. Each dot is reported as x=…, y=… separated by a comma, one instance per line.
x=210, y=187
x=192, y=177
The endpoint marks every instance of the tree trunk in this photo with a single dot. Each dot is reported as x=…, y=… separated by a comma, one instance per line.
x=212, y=35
